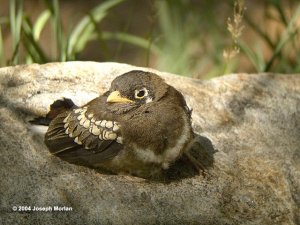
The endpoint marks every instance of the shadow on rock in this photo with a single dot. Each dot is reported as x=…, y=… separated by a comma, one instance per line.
x=202, y=152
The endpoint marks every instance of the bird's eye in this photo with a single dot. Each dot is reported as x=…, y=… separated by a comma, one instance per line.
x=139, y=94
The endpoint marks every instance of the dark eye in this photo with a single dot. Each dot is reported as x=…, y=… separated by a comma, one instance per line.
x=141, y=93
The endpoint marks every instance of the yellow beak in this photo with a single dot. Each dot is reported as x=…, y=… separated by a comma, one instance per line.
x=115, y=97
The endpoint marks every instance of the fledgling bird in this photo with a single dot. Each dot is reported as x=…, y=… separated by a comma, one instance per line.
x=139, y=127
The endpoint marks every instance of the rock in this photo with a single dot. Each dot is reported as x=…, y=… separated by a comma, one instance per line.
x=249, y=127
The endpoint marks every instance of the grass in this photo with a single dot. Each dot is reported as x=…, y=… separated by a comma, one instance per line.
x=26, y=33
x=280, y=47
x=229, y=50
x=183, y=37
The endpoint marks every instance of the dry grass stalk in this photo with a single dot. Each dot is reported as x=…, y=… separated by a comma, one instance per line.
x=235, y=28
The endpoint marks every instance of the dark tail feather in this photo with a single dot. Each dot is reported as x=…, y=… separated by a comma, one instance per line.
x=40, y=121
x=56, y=108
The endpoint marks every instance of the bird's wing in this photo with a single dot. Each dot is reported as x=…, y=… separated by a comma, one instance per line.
x=77, y=137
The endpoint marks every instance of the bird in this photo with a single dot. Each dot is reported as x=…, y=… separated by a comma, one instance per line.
x=140, y=126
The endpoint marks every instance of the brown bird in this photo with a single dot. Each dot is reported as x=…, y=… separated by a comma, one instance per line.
x=140, y=126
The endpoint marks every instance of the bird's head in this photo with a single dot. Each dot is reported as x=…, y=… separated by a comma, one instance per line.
x=137, y=88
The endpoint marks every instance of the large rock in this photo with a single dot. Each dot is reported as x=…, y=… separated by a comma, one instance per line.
x=250, y=131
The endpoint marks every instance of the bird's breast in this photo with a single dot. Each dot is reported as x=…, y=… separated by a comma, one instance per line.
x=171, y=152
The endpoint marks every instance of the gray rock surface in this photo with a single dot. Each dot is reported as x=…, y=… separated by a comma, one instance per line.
x=250, y=132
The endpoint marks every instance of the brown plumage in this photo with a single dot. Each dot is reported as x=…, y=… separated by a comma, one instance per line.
x=140, y=126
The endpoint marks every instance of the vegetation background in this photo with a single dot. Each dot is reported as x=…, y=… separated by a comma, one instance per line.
x=201, y=39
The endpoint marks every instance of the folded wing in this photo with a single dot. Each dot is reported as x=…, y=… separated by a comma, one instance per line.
x=77, y=137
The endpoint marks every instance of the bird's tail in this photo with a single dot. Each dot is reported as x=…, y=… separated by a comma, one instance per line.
x=56, y=108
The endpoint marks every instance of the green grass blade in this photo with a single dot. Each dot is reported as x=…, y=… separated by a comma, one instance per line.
x=280, y=9
x=131, y=39
x=53, y=6
x=12, y=17
x=60, y=40
x=255, y=58
x=31, y=45
x=260, y=32
x=2, y=58
x=86, y=34
x=287, y=35
x=124, y=37
x=80, y=34
x=16, y=17
x=261, y=63
x=40, y=24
